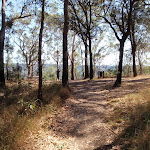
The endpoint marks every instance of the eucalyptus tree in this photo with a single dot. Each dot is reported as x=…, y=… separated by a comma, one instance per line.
x=140, y=20
x=83, y=22
x=53, y=37
x=118, y=15
x=9, y=49
x=65, y=44
x=27, y=42
x=143, y=49
x=40, y=52
x=8, y=22
x=74, y=45
x=2, y=37
x=77, y=23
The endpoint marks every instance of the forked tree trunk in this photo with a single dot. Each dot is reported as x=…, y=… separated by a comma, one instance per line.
x=2, y=37
x=65, y=43
x=40, y=53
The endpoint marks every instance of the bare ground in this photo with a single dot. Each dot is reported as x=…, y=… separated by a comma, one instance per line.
x=81, y=124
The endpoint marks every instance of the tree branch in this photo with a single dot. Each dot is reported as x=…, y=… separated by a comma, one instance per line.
x=107, y=21
x=16, y=18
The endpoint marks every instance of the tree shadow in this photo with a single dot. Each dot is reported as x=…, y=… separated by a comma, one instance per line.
x=83, y=115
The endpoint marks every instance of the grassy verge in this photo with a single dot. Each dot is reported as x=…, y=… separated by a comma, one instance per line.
x=132, y=117
x=19, y=115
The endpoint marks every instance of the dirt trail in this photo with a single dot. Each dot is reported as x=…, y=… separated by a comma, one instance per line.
x=81, y=124
x=82, y=118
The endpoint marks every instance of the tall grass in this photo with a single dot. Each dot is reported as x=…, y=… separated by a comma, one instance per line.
x=132, y=116
x=19, y=115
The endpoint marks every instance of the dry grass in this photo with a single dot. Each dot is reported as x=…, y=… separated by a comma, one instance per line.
x=19, y=116
x=131, y=118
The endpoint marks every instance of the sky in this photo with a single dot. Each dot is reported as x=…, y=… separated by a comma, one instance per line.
x=111, y=59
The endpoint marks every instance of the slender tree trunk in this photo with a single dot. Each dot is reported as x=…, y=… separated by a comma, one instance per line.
x=72, y=60
x=86, y=63
x=140, y=63
x=7, y=71
x=119, y=75
x=134, y=64
x=90, y=46
x=65, y=44
x=133, y=46
x=29, y=71
x=82, y=63
x=7, y=65
x=32, y=70
x=58, y=71
x=40, y=52
x=91, y=59
x=2, y=37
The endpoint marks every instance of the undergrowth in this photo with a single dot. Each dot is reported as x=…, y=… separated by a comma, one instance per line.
x=132, y=116
x=19, y=114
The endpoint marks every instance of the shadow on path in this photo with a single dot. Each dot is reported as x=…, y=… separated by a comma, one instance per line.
x=83, y=115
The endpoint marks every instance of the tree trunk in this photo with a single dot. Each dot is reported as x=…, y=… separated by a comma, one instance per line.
x=134, y=64
x=140, y=63
x=29, y=71
x=133, y=46
x=72, y=60
x=65, y=44
x=40, y=53
x=82, y=64
x=7, y=65
x=119, y=74
x=91, y=59
x=58, y=71
x=7, y=71
x=2, y=37
x=32, y=70
x=86, y=63
x=90, y=47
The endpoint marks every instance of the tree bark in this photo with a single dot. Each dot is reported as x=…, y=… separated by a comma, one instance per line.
x=133, y=46
x=2, y=37
x=91, y=58
x=72, y=60
x=90, y=45
x=7, y=65
x=40, y=53
x=65, y=44
x=29, y=71
x=86, y=63
x=134, y=64
x=119, y=75
x=140, y=63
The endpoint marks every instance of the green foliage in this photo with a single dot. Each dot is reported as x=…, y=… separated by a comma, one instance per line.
x=49, y=73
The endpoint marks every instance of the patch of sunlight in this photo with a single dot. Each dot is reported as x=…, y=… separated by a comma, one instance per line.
x=99, y=92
